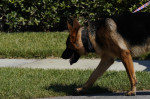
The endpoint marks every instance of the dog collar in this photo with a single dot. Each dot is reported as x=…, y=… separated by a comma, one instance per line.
x=86, y=40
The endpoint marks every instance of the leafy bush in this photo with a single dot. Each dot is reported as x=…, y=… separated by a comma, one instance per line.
x=50, y=15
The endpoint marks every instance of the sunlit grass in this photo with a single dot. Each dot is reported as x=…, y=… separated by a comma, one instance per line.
x=36, y=83
x=32, y=45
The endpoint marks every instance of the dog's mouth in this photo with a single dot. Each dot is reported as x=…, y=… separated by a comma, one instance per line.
x=70, y=54
x=74, y=58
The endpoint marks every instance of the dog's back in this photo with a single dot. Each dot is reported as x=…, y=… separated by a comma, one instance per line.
x=133, y=28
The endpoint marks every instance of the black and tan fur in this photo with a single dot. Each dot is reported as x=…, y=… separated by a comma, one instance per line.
x=123, y=36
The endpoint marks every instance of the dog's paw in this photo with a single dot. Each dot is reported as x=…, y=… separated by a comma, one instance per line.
x=131, y=93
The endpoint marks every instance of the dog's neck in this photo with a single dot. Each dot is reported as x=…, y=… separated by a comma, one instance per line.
x=86, y=40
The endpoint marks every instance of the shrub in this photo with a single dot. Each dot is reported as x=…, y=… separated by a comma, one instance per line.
x=50, y=15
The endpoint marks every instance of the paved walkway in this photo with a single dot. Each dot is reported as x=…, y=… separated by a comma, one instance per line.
x=64, y=64
x=81, y=64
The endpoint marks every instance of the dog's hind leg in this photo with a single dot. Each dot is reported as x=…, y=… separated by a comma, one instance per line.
x=128, y=63
x=106, y=62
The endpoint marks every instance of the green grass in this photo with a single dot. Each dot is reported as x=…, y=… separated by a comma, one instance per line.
x=32, y=45
x=36, y=83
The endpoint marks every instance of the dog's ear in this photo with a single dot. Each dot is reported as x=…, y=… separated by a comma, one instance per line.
x=70, y=28
x=76, y=24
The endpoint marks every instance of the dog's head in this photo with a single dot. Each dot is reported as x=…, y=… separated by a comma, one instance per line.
x=74, y=46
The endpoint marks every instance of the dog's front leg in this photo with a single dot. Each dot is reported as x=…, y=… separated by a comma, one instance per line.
x=105, y=63
x=128, y=63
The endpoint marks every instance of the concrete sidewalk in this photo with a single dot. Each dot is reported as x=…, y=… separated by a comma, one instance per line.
x=64, y=64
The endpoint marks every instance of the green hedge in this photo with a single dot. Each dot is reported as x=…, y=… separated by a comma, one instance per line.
x=51, y=15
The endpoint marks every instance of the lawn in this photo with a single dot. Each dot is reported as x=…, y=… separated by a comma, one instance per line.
x=32, y=44
x=36, y=83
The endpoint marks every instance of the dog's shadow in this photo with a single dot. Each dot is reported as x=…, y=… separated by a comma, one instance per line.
x=145, y=63
x=93, y=91
x=70, y=90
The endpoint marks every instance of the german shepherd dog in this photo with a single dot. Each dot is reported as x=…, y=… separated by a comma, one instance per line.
x=121, y=36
